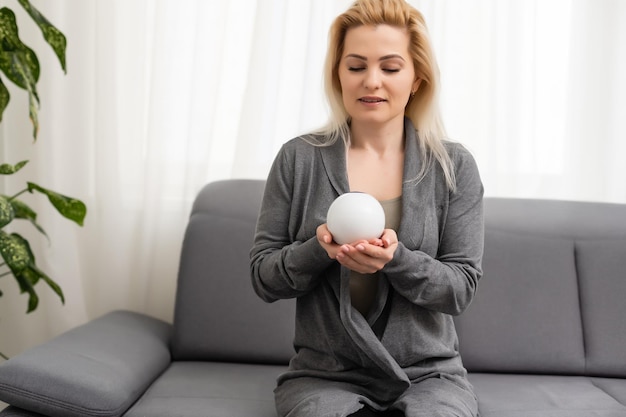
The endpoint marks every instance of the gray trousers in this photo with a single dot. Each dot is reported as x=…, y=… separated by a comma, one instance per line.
x=442, y=396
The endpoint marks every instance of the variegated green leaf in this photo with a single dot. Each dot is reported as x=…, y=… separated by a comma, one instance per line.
x=51, y=34
x=23, y=211
x=24, y=281
x=17, y=254
x=17, y=61
x=5, y=97
x=7, y=214
x=33, y=269
x=15, y=251
x=68, y=207
x=33, y=106
x=6, y=169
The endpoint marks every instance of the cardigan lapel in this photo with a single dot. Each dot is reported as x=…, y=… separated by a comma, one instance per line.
x=334, y=161
x=412, y=193
x=412, y=159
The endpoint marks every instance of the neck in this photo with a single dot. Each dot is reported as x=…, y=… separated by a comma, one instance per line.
x=380, y=138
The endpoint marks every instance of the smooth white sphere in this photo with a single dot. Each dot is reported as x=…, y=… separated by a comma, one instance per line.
x=354, y=216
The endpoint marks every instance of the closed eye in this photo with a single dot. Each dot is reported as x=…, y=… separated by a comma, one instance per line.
x=356, y=69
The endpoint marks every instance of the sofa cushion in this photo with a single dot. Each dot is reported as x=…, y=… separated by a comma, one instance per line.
x=603, y=304
x=505, y=395
x=97, y=369
x=556, y=218
x=615, y=387
x=218, y=316
x=200, y=389
x=525, y=316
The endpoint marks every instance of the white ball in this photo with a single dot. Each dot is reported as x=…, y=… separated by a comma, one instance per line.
x=354, y=216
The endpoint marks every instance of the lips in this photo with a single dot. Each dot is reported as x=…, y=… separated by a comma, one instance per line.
x=372, y=100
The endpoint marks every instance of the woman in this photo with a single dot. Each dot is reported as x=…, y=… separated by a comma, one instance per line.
x=374, y=330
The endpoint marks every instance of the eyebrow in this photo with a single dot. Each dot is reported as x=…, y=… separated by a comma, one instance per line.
x=382, y=58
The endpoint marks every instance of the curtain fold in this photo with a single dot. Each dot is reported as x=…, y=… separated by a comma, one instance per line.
x=163, y=96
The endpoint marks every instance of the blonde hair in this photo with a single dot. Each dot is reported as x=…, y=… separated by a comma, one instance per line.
x=422, y=107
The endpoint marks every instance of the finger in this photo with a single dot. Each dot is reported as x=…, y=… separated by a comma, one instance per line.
x=376, y=242
x=350, y=263
x=355, y=259
x=368, y=250
x=389, y=237
x=374, y=256
x=324, y=235
x=389, y=242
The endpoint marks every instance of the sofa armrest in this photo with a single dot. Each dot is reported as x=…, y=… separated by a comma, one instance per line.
x=97, y=369
x=11, y=411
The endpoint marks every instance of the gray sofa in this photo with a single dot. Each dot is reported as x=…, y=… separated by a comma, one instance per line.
x=545, y=335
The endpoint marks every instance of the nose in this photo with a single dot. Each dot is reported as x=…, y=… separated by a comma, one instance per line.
x=372, y=80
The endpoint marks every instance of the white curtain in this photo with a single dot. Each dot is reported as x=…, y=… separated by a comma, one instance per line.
x=162, y=96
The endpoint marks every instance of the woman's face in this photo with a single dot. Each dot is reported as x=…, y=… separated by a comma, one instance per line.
x=376, y=73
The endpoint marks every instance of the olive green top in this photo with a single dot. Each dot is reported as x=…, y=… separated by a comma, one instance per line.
x=364, y=287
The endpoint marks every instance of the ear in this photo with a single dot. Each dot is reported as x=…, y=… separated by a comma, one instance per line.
x=416, y=85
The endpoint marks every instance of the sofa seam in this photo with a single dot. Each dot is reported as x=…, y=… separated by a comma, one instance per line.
x=593, y=382
x=580, y=305
x=210, y=397
x=59, y=403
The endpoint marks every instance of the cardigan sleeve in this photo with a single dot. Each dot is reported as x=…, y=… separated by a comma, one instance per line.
x=447, y=283
x=282, y=266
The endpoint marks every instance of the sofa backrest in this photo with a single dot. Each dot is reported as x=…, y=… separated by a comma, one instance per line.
x=217, y=315
x=552, y=298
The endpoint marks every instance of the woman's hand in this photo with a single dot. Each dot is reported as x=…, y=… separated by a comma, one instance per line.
x=325, y=239
x=365, y=257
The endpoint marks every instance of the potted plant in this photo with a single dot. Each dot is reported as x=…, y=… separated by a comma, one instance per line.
x=19, y=65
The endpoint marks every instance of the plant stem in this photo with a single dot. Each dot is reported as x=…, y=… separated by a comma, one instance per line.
x=3, y=356
x=4, y=274
x=18, y=194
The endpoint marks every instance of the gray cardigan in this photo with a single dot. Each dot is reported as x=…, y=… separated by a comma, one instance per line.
x=409, y=333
